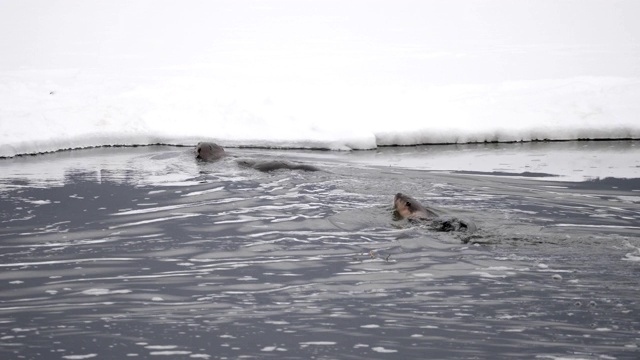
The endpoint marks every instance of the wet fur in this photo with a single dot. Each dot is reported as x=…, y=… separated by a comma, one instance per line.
x=406, y=207
x=266, y=166
x=208, y=151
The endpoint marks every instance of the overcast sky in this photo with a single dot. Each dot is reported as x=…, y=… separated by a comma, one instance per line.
x=378, y=41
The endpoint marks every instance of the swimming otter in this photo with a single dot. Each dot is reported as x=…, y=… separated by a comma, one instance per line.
x=266, y=166
x=208, y=151
x=409, y=208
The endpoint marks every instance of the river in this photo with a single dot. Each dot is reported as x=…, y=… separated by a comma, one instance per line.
x=114, y=253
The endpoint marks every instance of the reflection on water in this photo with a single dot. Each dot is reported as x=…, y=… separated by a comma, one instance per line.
x=148, y=254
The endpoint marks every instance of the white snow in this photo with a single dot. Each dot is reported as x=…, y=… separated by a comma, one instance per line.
x=327, y=75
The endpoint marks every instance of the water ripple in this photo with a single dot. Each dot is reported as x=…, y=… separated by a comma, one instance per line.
x=224, y=262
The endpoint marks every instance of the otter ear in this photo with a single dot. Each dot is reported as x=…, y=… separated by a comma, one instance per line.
x=408, y=204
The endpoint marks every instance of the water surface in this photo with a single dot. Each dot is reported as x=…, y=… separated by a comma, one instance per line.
x=145, y=253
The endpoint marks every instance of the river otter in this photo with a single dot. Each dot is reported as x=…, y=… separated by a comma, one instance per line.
x=406, y=207
x=271, y=165
x=409, y=208
x=208, y=151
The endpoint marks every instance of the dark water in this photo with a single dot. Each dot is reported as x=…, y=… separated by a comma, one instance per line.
x=144, y=253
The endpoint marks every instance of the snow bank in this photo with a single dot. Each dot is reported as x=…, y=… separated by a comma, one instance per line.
x=49, y=110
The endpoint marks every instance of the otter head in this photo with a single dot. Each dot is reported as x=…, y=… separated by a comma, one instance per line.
x=407, y=207
x=209, y=151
